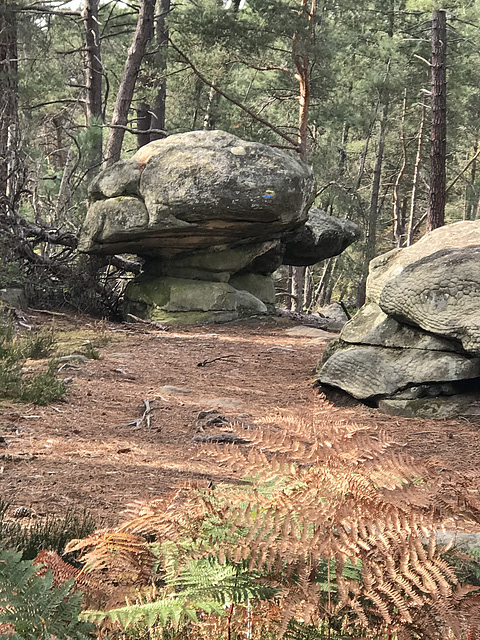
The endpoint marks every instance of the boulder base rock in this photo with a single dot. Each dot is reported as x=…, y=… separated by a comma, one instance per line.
x=417, y=341
x=181, y=301
x=367, y=372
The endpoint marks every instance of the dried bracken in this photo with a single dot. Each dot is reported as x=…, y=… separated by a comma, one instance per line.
x=330, y=514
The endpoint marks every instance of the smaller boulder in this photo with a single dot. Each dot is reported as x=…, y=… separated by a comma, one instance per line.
x=322, y=237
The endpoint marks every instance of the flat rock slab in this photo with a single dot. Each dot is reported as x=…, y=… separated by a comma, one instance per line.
x=367, y=372
x=170, y=390
x=441, y=408
x=301, y=331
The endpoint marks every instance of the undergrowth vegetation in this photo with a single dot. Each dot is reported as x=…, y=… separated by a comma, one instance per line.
x=20, y=383
x=324, y=532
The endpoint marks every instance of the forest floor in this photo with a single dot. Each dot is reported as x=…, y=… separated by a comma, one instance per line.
x=87, y=451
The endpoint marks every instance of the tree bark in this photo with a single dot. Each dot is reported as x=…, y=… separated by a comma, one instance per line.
x=144, y=120
x=371, y=231
x=93, y=80
x=471, y=194
x=161, y=32
x=143, y=34
x=416, y=173
x=398, y=204
x=301, y=59
x=438, y=133
x=8, y=101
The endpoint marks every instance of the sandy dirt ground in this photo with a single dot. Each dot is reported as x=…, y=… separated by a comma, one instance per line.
x=92, y=451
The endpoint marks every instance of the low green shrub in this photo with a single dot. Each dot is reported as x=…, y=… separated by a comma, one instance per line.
x=39, y=388
x=51, y=533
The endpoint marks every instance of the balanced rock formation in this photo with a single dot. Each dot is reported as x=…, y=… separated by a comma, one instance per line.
x=212, y=216
x=417, y=340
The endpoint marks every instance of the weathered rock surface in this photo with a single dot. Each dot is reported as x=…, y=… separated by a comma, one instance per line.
x=211, y=213
x=195, y=191
x=322, y=237
x=374, y=327
x=441, y=294
x=366, y=372
x=417, y=341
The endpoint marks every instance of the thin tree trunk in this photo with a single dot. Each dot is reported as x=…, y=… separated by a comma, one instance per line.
x=438, y=134
x=471, y=195
x=161, y=29
x=416, y=173
x=8, y=102
x=301, y=59
x=93, y=80
x=143, y=34
x=289, y=304
x=308, y=290
x=298, y=279
x=398, y=205
x=209, y=119
x=371, y=232
x=144, y=121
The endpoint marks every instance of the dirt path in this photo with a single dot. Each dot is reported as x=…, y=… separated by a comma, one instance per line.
x=84, y=452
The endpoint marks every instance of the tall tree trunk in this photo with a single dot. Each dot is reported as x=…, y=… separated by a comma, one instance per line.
x=438, y=134
x=471, y=194
x=301, y=59
x=93, y=80
x=416, y=173
x=161, y=31
x=144, y=121
x=8, y=103
x=371, y=231
x=143, y=34
x=398, y=204
x=308, y=290
x=298, y=280
x=209, y=118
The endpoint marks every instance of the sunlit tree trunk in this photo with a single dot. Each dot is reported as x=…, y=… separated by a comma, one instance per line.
x=416, y=173
x=371, y=231
x=301, y=59
x=143, y=34
x=93, y=80
x=161, y=36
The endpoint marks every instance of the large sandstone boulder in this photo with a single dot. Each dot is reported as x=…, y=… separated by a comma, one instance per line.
x=419, y=334
x=196, y=190
x=212, y=216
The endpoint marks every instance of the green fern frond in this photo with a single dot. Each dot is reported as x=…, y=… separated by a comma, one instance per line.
x=224, y=583
x=161, y=612
x=33, y=607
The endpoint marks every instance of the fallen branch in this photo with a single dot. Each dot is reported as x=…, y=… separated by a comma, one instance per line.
x=205, y=362
x=145, y=420
x=150, y=323
x=221, y=438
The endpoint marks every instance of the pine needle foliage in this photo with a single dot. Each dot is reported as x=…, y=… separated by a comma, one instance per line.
x=32, y=608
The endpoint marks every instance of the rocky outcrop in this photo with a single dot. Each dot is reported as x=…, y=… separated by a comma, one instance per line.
x=415, y=346
x=198, y=190
x=322, y=237
x=211, y=215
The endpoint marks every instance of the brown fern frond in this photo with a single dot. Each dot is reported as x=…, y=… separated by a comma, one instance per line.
x=124, y=555
x=94, y=588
